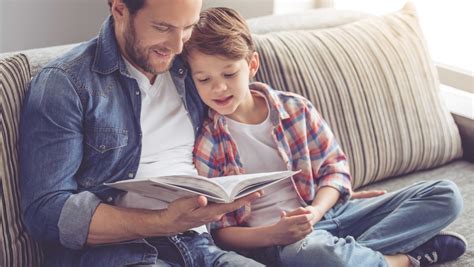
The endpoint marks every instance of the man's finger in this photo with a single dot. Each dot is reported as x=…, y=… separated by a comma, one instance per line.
x=202, y=201
x=237, y=204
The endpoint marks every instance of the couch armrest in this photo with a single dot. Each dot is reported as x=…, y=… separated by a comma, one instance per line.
x=466, y=130
x=457, y=89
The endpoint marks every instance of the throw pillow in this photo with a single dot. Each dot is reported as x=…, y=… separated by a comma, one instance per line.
x=16, y=247
x=376, y=86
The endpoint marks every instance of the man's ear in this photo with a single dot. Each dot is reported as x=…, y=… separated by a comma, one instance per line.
x=254, y=64
x=119, y=10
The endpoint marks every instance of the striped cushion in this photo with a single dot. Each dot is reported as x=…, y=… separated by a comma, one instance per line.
x=16, y=248
x=375, y=84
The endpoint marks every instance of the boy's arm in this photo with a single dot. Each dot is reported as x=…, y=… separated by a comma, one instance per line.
x=289, y=229
x=204, y=154
x=328, y=162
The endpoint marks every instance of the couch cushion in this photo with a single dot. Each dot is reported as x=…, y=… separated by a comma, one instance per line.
x=16, y=248
x=375, y=84
x=318, y=18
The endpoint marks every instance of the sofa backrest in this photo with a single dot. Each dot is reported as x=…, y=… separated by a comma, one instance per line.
x=16, y=247
x=375, y=84
x=370, y=77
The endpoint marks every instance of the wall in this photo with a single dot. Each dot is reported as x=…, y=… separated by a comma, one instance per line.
x=26, y=24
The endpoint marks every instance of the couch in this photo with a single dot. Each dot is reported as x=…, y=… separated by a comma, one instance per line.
x=370, y=77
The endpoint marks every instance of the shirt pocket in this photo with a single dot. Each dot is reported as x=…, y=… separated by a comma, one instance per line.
x=103, y=140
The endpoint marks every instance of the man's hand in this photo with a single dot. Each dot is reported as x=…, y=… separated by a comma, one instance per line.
x=292, y=226
x=368, y=194
x=186, y=213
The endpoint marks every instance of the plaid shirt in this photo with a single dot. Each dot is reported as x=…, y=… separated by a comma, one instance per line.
x=304, y=142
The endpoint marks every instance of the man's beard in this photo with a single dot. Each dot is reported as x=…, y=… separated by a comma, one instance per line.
x=138, y=55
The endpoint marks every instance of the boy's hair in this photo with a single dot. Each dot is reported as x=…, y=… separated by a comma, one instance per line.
x=132, y=5
x=221, y=31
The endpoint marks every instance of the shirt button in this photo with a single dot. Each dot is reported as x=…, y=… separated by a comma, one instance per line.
x=181, y=71
x=137, y=92
x=102, y=147
x=130, y=175
x=110, y=199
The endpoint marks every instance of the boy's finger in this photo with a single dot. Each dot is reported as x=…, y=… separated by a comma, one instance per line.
x=298, y=211
x=300, y=219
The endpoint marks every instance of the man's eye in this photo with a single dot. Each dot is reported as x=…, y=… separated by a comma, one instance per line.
x=161, y=28
x=230, y=75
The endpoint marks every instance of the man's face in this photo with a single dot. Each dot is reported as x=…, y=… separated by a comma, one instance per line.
x=153, y=36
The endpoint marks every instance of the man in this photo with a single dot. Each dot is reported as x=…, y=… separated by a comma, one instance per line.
x=116, y=107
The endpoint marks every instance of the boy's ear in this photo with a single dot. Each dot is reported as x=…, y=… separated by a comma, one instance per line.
x=254, y=64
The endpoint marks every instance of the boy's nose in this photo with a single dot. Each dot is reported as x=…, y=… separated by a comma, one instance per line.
x=219, y=86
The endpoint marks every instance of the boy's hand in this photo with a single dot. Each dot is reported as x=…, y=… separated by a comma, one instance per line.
x=291, y=228
x=315, y=211
x=186, y=213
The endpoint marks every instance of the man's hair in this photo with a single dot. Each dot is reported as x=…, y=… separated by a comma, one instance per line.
x=132, y=5
x=221, y=31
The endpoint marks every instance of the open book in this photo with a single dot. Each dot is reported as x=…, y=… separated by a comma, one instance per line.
x=223, y=189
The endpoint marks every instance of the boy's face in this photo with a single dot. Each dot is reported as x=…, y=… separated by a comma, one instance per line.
x=223, y=83
x=154, y=35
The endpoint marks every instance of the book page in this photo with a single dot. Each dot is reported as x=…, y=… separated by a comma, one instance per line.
x=193, y=183
x=234, y=184
x=162, y=191
x=220, y=189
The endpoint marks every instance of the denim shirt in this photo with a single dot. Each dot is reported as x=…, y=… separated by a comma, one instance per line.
x=80, y=127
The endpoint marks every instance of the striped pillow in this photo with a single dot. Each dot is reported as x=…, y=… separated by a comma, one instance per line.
x=375, y=84
x=16, y=247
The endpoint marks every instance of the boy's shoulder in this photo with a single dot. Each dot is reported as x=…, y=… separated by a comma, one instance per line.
x=287, y=100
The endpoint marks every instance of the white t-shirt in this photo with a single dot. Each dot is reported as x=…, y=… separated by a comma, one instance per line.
x=167, y=136
x=259, y=153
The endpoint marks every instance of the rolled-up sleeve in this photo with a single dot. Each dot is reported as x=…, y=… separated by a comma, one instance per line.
x=51, y=151
x=328, y=161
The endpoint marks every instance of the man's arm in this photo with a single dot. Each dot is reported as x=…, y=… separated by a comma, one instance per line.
x=114, y=224
x=51, y=150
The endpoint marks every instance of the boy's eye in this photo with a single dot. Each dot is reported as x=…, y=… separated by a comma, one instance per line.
x=203, y=80
x=230, y=74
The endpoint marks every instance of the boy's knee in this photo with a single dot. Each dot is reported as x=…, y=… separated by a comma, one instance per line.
x=452, y=197
x=310, y=251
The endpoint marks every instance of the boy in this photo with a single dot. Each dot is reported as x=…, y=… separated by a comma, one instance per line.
x=310, y=220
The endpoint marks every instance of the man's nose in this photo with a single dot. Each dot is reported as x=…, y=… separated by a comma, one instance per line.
x=176, y=42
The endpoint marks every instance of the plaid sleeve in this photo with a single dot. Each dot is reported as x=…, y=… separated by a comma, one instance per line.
x=206, y=160
x=204, y=154
x=328, y=161
x=235, y=218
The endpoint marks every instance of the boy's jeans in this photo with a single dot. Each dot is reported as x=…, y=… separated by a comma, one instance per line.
x=195, y=250
x=359, y=232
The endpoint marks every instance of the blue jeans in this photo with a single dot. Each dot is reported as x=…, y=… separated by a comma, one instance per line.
x=194, y=249
x=359, y=232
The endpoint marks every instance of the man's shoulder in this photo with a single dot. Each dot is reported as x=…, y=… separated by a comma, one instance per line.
x=80, y=57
